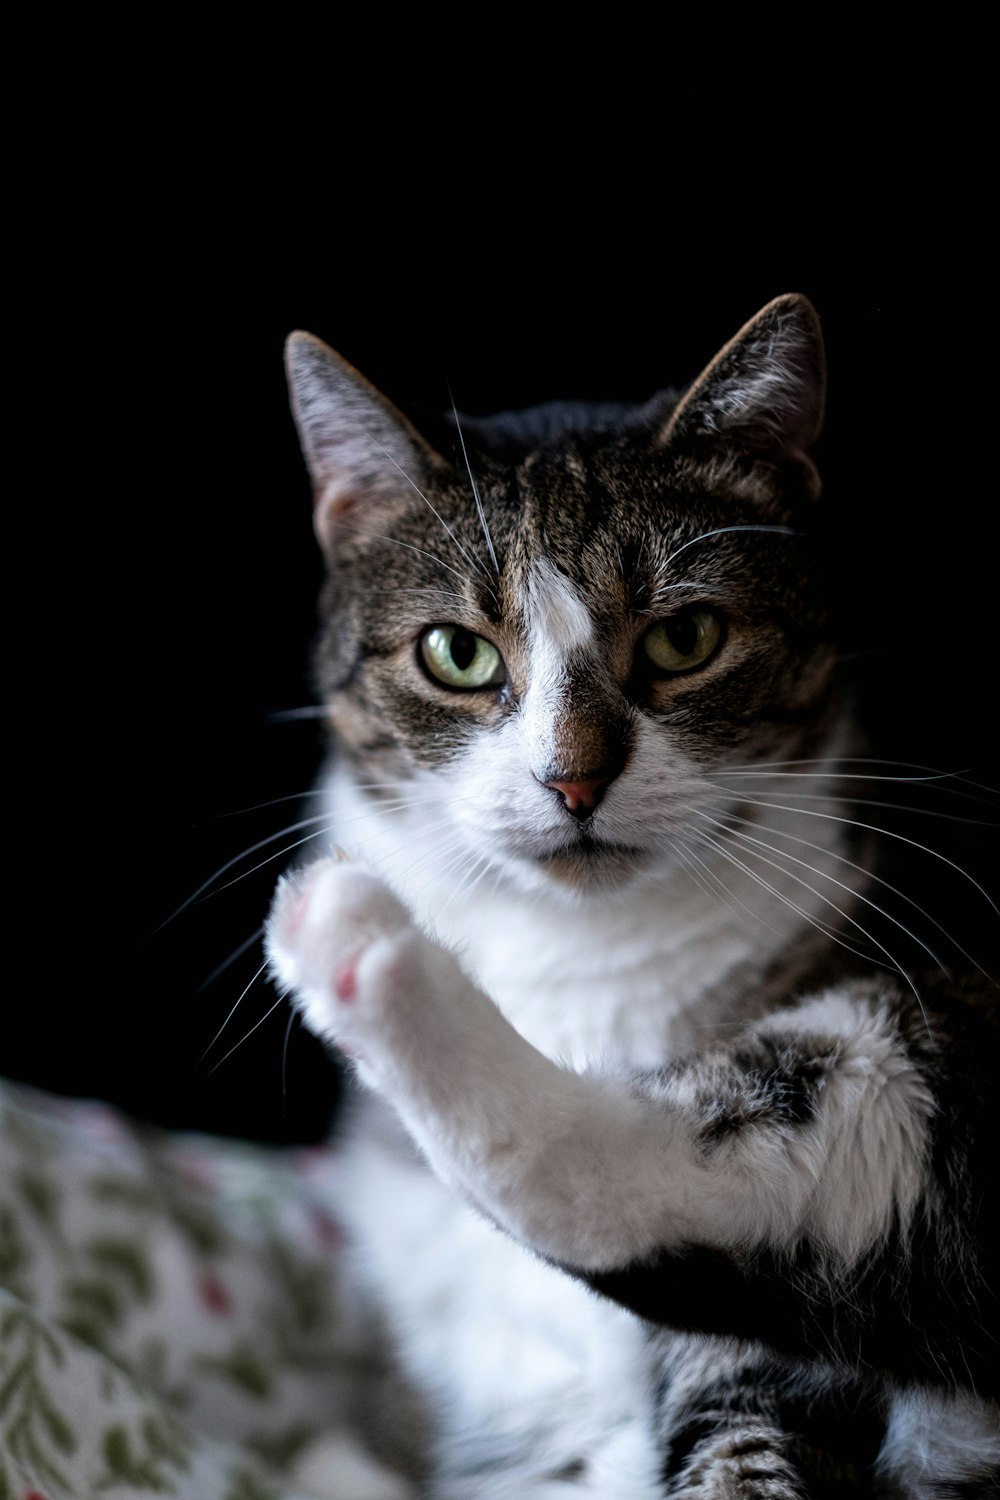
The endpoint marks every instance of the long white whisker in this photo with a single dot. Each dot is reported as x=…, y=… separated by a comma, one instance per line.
x=721, y=531
x=723, y=893
x=432, y=589
x=382, y=537
x=870, y=875
x=240, y=812
x=832, y=770
x=814, y=869
x=467, y=886
x=232, y=1013
x=280, y=1000
x=379, y=833
x=475, y=489
x=809, y=812
x=292, y=1017
x=468, y=557
x=846, y=915
x=833, y=796
x=713, y=843
x=283, y=715
x=244, y=853
x=245, y=874
x=226, y=962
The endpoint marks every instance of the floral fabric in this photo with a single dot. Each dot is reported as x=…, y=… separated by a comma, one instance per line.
x=170, y=1318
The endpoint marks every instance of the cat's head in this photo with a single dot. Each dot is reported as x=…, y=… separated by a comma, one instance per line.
x=557, y=626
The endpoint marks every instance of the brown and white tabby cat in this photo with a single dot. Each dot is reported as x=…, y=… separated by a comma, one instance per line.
x=673, y=1168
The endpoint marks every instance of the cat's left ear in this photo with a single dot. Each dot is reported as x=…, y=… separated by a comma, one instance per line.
x=362, y=453
x=764, y=392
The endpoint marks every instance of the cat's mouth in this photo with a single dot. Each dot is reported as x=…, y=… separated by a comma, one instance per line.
x=589, y=861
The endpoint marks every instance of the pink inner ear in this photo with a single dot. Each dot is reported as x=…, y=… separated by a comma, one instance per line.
x=334, y=496
x=332, y=502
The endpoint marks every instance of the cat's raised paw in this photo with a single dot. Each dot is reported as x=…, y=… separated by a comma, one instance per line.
x=345, y=947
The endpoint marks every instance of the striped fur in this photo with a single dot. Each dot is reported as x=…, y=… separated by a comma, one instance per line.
x=647, y=1011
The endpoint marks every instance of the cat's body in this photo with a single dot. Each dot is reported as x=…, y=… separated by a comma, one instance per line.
x=634, y=998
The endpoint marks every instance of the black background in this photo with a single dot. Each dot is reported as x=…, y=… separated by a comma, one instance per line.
x=191, y=600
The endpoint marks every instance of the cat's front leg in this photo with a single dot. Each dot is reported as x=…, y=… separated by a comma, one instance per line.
x=776, y=1187
x=539, y=1148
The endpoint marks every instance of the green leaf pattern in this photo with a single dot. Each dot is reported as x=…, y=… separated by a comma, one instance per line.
x=170, y=1318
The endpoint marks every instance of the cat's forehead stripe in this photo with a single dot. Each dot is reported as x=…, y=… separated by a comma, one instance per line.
x=556, y=613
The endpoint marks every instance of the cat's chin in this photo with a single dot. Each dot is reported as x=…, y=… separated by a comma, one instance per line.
x=590, y=867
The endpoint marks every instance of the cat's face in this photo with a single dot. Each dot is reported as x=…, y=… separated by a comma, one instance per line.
x=558, y=644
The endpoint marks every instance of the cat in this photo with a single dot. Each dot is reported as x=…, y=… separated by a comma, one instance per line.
x=665, y=1175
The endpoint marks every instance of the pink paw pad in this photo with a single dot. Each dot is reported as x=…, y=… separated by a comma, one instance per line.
x=345, y=980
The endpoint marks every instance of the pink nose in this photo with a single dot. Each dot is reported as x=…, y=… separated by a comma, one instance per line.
x=581, y=797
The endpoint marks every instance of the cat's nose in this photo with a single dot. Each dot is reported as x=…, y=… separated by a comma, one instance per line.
x=581, y=797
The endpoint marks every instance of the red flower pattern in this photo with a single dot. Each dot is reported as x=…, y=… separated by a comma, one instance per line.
x=215, y=1294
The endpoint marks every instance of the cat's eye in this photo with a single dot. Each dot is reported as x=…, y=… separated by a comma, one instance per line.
x=685, y=641
x=459, y=659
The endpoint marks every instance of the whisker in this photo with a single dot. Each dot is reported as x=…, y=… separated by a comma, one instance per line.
x=783, y=854
x=721, y=531
x=846, y=916
x=240, y=812
x=723, y=893
x=809, y=917
x=833, y=796
x=455, y=843
x=245, y=874
x=283, y=715
x=667, y=588
x=244, y=854
x=870, y=875
x=468, y=557
x=280, y=1001
x=834, y=773
x=232, y=1013
x=808, y=812
x=473, y=861
x=832, y=769
x=292, y=1018
x=425, y=588
x=382, y=537
x=226, y=962
x=475, y=490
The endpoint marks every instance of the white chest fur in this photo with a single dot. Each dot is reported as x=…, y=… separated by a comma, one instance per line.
x=534, y=1364
x=623, y=977
x=537, y=1367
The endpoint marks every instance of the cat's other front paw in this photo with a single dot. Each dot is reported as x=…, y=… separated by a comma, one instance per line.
x=346, y=948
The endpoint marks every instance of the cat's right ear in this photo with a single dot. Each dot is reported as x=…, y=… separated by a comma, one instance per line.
x=761, y=398
x=359, y=449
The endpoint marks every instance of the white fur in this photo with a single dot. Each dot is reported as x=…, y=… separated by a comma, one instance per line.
x=559, y=625
x=935, y=1439
x=866, y=1153
x=576, y=1165
x=506, y=1346
x=514, y=1098
x=558, y=617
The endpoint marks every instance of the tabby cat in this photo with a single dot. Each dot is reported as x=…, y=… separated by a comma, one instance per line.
x=670, y=1165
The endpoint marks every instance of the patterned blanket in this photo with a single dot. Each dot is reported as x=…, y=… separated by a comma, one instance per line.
x=170, y=1318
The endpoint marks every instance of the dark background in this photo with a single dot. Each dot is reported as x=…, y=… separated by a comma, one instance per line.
x=193, y=607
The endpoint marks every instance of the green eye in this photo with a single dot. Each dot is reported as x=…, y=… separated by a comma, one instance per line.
x=684, y=642
x=459, y=659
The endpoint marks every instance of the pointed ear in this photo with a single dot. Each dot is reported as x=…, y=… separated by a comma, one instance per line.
x=357, y=446
x=763, y=394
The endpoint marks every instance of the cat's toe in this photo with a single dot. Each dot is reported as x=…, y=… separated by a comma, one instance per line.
x=337, y=938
